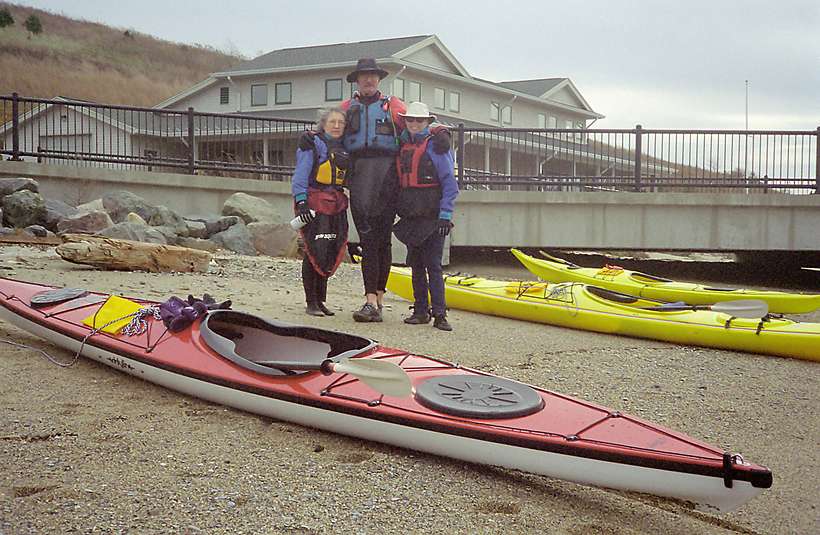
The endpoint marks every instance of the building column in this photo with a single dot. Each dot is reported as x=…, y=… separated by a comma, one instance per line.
x=486, y=158
x=508, y=163
x=265, y=145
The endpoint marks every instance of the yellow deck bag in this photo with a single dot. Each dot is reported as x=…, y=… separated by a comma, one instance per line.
x=114, y=308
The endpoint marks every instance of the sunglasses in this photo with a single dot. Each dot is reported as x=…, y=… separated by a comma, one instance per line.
x=416, y=119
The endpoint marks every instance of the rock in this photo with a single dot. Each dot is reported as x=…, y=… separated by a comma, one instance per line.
x=236, y=238
x=251, y=209
x=5, y=231
x=197, y=243
x=119, y=204
x=128, y=230
x=134, y=217
x=195, y=229
x=37, y=230
x=273, y=240
x=92, y=206
x=12, y=185
x=85, y=222
x=170, y=234
x=24, y=208
x=165, y=217
x=57, y=210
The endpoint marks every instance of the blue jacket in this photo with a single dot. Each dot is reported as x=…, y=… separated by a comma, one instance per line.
x=305, y=169
x=443, y=164
x=373, y=126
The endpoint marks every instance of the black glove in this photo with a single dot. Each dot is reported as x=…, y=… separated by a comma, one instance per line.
x=304, y=212
x=444, y=227
x=441, y=141
x=306, y=141
x=340, y=158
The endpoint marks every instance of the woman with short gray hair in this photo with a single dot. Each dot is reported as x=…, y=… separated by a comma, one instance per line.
x=321, y=204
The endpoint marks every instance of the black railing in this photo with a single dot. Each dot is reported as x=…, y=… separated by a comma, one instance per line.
x=249, y=146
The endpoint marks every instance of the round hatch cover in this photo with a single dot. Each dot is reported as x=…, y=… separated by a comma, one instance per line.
x=478, y=396
x=60, y=295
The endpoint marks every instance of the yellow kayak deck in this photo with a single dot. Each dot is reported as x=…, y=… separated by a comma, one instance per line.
x=651, y=287
x=591, y=308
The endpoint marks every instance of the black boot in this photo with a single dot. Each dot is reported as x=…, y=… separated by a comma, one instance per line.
x=313, y=309
x=440, y=322
x=326, y=311
x=419, y=317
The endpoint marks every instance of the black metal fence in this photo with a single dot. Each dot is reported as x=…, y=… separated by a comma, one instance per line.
x=85, y=133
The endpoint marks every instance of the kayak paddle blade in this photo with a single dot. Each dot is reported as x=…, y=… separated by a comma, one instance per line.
x=746, y=308
x=380, y=375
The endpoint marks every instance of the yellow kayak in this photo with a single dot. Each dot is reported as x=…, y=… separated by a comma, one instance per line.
x=591, y=308
x=639, y=284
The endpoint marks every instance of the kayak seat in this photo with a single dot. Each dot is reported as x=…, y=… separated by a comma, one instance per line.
x=266, y=346
x=709, y=288
x=611, y=295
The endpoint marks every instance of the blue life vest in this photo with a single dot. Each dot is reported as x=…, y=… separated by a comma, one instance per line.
x=370, y=127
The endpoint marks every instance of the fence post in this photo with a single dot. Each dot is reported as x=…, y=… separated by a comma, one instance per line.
x=817, y=163
x=191, y=163
x=638, y=149
x=15, y=128
x=460, y=156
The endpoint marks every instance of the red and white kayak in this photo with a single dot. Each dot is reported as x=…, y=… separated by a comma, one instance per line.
x=244, y=361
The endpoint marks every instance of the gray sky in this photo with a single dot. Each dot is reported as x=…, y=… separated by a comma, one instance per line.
x=660, y=63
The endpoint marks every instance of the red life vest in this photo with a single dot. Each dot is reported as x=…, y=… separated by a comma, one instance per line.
x=416, y=169
x=419, y=186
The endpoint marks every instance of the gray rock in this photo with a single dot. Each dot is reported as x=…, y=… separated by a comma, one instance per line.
x=272, y=240
x=236, y=239
x=217, y=225
x=195, y=229
x=119, y=204
x=37, y=230
x=24, y=208
x=91, y=206
x=251, y=209
x=12, y=185
x=85, y=222
x=134, y=217
x=135, y=232
x=197, y=243
x=165, y=217
x=171, y=237
x=5, y=231
x=56, y=210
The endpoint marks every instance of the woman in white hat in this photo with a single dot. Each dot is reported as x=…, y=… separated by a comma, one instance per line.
x=427, y=195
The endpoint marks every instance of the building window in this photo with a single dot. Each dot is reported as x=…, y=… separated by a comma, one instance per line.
x=552, y=122
x=398, y=88
x=438, y=97
x=353, y=88
x=455, y=101
x=567, y=123
x=413, y=92
x=283, y=93
x=333, y=89
x=542, y=120
x=494, y=111
x=224, y=95
x=506, y=115
x=259, y=95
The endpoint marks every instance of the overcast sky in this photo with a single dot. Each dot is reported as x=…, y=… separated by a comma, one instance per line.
x=660, y=63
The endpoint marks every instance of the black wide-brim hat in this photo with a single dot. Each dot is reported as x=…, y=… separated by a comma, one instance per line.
x=366, y=65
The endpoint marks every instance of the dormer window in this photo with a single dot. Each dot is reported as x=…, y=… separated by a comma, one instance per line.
x=224, y=95
x=283, y=93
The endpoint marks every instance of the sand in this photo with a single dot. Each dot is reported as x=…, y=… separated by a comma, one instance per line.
x=87, y=449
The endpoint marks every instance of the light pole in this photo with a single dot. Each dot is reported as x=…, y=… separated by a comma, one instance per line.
x=747, y=104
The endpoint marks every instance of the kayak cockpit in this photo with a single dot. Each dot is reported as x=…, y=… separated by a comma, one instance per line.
x=267, y=347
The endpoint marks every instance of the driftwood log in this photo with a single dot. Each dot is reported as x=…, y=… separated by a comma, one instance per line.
x=110, y=253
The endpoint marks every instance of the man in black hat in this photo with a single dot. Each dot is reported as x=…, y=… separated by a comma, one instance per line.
x=371, y=137
x=372, y=128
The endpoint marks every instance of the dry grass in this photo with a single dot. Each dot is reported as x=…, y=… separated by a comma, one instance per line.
x=91, y=61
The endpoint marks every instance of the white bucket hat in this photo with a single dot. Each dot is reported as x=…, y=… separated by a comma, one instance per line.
x=418, y=109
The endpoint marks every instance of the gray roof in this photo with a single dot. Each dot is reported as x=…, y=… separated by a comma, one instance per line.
x=322, y=54
x=535, y=88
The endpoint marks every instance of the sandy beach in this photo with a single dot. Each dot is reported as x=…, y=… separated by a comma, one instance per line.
x=87, y=449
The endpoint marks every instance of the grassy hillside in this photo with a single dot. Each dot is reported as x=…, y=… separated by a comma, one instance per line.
x=91, y=61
